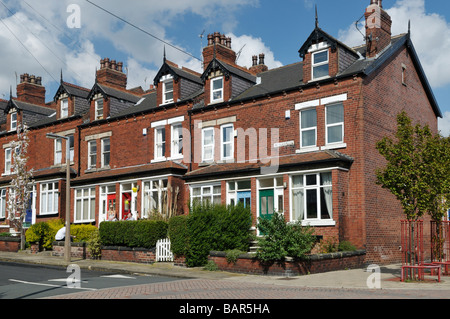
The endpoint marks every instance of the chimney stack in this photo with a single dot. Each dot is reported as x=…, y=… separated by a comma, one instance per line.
x=111, y=74
x=258, y=68
x=219, y=46
x=30, y=89
x=378, y=28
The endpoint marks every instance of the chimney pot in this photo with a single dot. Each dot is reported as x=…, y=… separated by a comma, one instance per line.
x=229, y=43
x=210, y=39
x=216, y=37
x=120, y=66
x=255, y=60
x=261, y=58
x=113, y=64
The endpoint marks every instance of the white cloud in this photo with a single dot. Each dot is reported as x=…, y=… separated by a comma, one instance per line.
x=432, y=42
x=251, y=46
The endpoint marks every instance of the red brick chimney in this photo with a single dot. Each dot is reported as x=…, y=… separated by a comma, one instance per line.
x=30, y=89
x=258, y=68
x=220, y=47
x=378, y=28
x=111, y=74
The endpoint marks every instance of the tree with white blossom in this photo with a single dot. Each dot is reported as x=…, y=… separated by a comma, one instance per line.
x=21, y=186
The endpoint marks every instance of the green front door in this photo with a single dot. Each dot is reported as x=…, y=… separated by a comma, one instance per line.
x=266, y=204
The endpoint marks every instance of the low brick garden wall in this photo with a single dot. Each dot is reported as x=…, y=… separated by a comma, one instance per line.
x=248, y=264
x=10, y=244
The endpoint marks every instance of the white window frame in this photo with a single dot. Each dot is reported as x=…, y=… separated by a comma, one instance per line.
x=232, y=193
x=92, y=156
x=99, y=116
x=327, y=126
x=49, y=197
x=176, y=141
x=166, y=91
x=79, y=214
x=316, y=65
x=13, y=121
x=221, y=90
x=224, y=143
x=3, y=202
x=302, y=130
x=58, y=151
x=204, y=146
x=208, y=193
x=64, y=107
x=318, y=221
x=104, y=152
x=151, y=189
x=160, y=146
x=71, y=140
x=8, y=161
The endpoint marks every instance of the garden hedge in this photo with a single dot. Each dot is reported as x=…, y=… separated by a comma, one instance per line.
x=137, y=233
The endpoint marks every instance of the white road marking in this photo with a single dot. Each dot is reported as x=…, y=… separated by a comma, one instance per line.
x=48, y=285
x=118, y=277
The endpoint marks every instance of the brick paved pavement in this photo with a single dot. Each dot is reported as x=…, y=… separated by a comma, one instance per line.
x=198, y=289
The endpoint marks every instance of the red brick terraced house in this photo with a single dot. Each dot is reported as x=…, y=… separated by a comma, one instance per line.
x=299, y=139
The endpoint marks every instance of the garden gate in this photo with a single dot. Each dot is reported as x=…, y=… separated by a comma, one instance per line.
x=163, y=250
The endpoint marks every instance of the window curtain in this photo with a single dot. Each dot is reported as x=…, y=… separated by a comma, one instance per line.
x=328, y=191
x=298, y=201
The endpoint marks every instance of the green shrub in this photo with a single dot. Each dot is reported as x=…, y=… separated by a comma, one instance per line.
x=346, y=246
x=94, y=244
x=216, y=227
x=283, y=239
x=138, y=233
x=82, y=233
x=178, y=234
x=38, y=233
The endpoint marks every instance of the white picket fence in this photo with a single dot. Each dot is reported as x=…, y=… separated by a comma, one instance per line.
x=163, y=250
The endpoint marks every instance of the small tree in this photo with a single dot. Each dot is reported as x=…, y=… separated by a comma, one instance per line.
x=417, y=171
x=21, y=184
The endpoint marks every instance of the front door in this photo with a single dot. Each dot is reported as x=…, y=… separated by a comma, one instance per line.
x=110, y=206
x=266, y=204
x=126, y=205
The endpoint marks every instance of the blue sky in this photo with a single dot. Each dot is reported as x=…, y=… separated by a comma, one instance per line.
x=37, y=39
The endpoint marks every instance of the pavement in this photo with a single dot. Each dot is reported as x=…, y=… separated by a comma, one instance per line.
x=384, y=277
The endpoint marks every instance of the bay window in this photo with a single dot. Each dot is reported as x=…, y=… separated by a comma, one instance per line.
x=85, y=205
x=207, y=194
x=312, y=198
x=155, y=197
x=49, y=198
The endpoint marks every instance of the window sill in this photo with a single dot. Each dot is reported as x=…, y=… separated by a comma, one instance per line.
x=158, y=160
x=318, y=223
x=334, y=146
x=307, y=150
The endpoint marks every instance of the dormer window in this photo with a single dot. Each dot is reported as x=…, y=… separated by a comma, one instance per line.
x=99, y=109
x=217, y=90
x=13, y=121
x=320, y=65
x=168, y=91
x=64, y=108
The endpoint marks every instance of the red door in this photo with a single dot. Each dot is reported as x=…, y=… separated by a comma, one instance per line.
x=126, y=205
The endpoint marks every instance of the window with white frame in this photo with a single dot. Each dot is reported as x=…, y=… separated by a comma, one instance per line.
x=308, y=128
x=99, y=109
x=8, y=160
x=217, y=90
x=49, y=198
x=92, y=154
x=160, y=143
x=335, y=123
x=239, y=192
x=84, y=205
x=3, y=192
x=64, y=108
x=277, y=185
x=154, y=199
x=177, y=141
x=13, y=121
x=58, y=151
x=168, y=91
x=312, y=197
x=71, y=147
x=227, y=140
x=320, y=64
x=106, y=152
x=207, y=194
x=208, y=144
